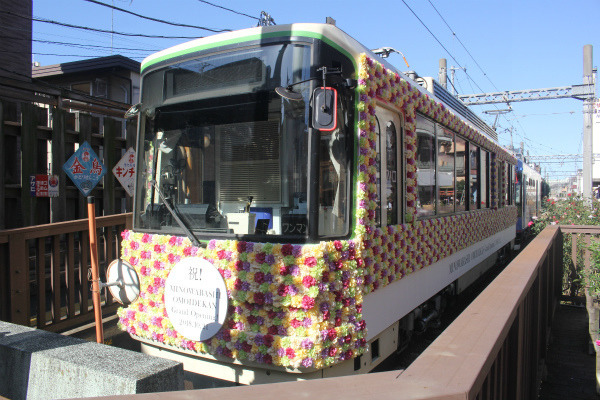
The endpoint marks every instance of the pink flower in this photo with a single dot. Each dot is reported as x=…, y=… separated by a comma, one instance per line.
x=290, y=353
x=308, y=281
x=310, y=261
x=308, y=302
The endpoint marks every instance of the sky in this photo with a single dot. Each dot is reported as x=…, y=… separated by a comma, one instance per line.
x=496, y=45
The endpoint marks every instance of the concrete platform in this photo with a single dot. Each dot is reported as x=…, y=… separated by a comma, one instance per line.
x=36, y=364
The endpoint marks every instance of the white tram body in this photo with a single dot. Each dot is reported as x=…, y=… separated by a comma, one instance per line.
x=336, y=215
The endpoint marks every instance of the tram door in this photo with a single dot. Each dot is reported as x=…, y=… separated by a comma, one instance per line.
x=390, y=167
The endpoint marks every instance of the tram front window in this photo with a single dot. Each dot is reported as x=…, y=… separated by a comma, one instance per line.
x=222, y=148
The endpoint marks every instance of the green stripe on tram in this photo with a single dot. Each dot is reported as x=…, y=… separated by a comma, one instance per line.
x=207, y=46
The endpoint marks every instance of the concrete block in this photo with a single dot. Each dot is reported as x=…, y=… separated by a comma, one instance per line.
x=36, y=364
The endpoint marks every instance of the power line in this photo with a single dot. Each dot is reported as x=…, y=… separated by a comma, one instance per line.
x=444, y=47
x=156, y=19
x=63, y=55
x=80, y=45
x=86, y=28
x=228, y=9
x=463, y=46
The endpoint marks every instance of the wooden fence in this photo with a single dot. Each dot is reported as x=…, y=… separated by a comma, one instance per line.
x=44, y=272
x=40, y=128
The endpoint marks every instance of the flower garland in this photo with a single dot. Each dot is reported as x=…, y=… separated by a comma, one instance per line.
x=301, y=305
x=395, y=251
x=290, y=305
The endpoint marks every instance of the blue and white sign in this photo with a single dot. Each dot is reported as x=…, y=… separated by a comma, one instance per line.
x=84, y=168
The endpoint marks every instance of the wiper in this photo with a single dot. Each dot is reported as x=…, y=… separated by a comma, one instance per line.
x=175, y=215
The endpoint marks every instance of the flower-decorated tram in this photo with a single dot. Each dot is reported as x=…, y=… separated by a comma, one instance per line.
x=301, y=206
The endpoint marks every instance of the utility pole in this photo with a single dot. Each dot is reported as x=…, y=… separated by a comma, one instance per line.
x=588, y=103
x=443, y=74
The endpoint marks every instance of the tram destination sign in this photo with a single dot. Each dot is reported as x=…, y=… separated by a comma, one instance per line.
x=196, y=298
x=84, y=168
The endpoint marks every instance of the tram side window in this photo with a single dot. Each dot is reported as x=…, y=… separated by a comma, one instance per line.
x=508, y=184
x=500, y=184
x=445, y=170
x=425, y=167
x=485, y=178
x=474, y=178
x=461, y=172
x=388, y=167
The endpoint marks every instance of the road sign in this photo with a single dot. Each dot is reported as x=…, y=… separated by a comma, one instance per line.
x=125, y=171
x=84, y=168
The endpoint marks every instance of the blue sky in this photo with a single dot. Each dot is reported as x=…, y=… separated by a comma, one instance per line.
x=511, y=44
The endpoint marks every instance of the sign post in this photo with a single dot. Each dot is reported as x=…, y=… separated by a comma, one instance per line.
x=95, y=274
x=85, y=170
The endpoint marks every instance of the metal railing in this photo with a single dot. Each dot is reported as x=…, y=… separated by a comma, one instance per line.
x=44, y=271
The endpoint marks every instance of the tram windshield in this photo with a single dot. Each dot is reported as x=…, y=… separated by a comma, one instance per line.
x=221, y=148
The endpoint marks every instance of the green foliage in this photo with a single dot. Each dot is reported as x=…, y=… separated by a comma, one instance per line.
x=592, y=277
x=574, y=210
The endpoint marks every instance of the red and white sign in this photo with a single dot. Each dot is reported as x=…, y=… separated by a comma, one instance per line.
x=43, y=185
x=124, y=171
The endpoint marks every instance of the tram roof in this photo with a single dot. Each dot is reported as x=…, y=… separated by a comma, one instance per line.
x=327, y=32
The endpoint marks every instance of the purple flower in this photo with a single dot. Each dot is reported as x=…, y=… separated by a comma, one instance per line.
x=307, y=362
x=270, y=259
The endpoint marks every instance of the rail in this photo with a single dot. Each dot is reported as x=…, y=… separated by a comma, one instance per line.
x=44, y=272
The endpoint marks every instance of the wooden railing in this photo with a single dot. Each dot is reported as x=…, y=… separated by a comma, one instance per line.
x=493, y=350
x=44, y=271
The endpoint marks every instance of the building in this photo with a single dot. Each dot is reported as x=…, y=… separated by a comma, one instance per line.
x=113, y=77
x=15, y=45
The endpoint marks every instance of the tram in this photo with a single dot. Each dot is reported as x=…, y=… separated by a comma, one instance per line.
x=301, y=206
x=528, y=192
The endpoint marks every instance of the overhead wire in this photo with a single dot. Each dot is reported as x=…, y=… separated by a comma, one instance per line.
x=87, y=28
x=228, y=9
x=156, y=19
x=463, y=46
x=521, y=131
x=80, y=45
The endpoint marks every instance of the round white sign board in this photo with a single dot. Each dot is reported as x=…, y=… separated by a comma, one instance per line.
x=196, y=298
x=122, y=273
